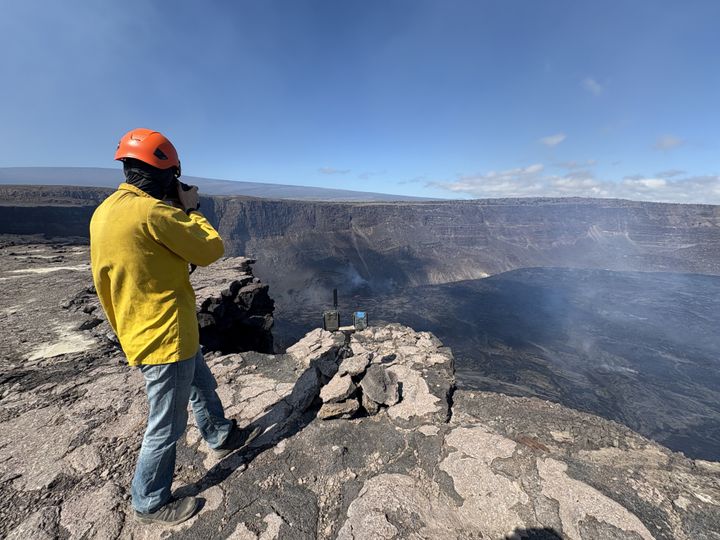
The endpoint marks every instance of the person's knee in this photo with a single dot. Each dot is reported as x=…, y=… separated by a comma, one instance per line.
x=155, y=445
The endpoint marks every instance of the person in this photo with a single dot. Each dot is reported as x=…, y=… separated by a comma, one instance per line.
x=140, y=249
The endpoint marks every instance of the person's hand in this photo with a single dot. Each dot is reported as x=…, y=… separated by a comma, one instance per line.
x=189, y=199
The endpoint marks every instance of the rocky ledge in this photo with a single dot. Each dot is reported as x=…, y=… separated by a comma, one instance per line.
x=409, y=459
x=234, y=310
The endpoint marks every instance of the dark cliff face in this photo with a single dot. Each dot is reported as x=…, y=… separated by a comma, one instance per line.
x=308, y=246
x=51, y=221
x=383, y=246
x=62, y=211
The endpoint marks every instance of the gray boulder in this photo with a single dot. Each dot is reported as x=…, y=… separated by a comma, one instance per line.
x=380, y=385
x=338, y=389
x=370, y=406
x=355, y=365
x=344, y=409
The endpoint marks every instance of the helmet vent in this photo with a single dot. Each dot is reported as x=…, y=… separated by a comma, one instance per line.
x=159, y=154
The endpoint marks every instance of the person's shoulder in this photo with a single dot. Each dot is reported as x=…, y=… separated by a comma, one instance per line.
x=159, y=211
x=163, y=208
x=109, y=203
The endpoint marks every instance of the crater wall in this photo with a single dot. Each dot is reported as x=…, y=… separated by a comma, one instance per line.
x=301, y=245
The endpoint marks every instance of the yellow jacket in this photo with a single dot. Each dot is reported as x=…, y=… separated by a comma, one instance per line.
x=140, y=248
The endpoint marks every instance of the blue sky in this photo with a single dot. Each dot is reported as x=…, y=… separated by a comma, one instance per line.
x=444, y=98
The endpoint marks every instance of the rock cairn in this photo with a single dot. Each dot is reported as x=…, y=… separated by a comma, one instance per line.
x=394, y=369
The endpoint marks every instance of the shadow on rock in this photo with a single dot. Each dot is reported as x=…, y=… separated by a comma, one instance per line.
x=284, y=419
x=545, y=533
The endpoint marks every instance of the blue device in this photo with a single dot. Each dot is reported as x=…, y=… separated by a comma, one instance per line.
x=360, y=320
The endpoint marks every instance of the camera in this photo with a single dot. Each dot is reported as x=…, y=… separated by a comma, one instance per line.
x=172, y=196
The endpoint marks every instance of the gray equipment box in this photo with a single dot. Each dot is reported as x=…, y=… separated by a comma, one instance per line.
x=331, y=319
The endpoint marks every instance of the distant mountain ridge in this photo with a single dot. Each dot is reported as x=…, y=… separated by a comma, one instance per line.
x=103, y=177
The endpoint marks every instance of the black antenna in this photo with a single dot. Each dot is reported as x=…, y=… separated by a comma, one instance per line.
x=335, y=299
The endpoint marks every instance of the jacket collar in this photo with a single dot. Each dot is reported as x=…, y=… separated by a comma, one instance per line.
x=133, y=189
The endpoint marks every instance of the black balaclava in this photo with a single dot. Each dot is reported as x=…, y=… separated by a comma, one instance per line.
x=153, y=181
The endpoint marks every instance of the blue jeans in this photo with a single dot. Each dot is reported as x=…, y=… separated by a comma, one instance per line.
x=169, y=387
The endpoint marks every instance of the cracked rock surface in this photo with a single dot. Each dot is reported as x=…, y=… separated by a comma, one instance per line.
x=436, y=463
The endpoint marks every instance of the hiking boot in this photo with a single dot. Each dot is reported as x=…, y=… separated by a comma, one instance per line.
x=173, y=513
x=238, y=438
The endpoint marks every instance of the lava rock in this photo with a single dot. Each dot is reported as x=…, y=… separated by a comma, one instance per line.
x=344, y=409
x=380, y=385
x=338, y=389
x=369, y=405
x=41, y=525
x=90, y=324
x=354, y=365
x=237, y=317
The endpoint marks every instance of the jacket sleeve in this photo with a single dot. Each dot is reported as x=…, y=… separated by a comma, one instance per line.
x=191, y=237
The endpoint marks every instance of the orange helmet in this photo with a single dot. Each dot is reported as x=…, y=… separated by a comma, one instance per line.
x=151, y=147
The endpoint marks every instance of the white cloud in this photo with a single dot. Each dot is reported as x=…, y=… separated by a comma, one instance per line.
x=645, y=183
x=332, y=170
x=521, y=181
x=592, y=86
x=532, y=169
x=553, y=140
x=533, y=182
x=668, y=142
